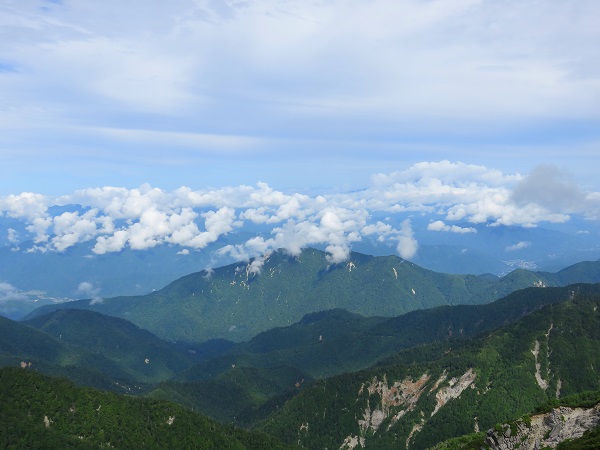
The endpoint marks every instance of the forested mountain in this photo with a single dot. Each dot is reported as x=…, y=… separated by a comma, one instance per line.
x=254, y=378
x=40, y=276
x=569, y=423
x=336, y=341
x=436, y=376
x=23, y=345
x=238, y=301
x=92, y=349
x=44, y=412
x=429, y=393
x=149, y=358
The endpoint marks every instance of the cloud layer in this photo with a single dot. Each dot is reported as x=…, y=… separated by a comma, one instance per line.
x=160, y=91
x=452, y=194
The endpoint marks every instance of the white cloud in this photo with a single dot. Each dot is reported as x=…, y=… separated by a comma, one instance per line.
x=26, y=205
x=117, y=218
x=154, y=227
x=518, y=246
x=9, y=293
x=439, y=225
x=407, y=244
x=89, y=290
x=551, y=189
x=12, y=236
x=39, y=227
x=438, y=58
x=71, y=228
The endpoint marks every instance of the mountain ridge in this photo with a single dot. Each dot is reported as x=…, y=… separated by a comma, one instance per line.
x=429, y=393
x=238, y=301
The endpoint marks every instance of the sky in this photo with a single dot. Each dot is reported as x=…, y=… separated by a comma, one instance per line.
x=189, y=119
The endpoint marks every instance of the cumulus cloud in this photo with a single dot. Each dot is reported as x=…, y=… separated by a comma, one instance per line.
x=12, y=236
x=380, y=229
x=407, y=244
x=89, y=290
x=439, y=225
x=554, y=190
x=116, y=218
x=9, y=293
x=26, y=205
x=518, y=246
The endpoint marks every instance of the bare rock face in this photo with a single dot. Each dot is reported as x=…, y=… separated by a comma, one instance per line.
x=403, y=394
x=545, y=430
x=390, y=402
x=455, y=387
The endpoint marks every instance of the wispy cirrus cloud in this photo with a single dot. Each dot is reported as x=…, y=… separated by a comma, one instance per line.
x=147, y=91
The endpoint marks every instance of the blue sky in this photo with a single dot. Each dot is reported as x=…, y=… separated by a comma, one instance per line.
x=326, y=97
x=297, y=94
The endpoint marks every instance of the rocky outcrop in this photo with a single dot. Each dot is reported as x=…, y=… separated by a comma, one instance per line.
x=455, y=387
x=541, y=381
x=544, y=430
x=390, y=402
x=403, y=394
x=352, y=442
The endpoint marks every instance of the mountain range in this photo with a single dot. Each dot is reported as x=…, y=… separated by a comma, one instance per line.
x=426, y=394
x=36, y=275
x=238, y=301
x=333, y=378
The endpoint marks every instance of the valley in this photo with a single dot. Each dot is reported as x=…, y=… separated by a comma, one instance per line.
x=336, y=378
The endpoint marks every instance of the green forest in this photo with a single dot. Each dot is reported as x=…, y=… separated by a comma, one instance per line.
x=445, y=376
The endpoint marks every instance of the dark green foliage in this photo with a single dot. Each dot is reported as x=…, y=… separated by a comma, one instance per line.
x=238, y=395
x=583, y=272
x=21, y=343
x=504, y=387
x=333, y=342
x=321, y=344
x=148, y=358
x=260, y=391
x=42, y=412
x=473, y=441
x=235, y=303
x=112, y=354
x=589, y=441
x=586, y=399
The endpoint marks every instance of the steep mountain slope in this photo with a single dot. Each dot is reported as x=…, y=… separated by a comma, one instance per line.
x=582, y=272
x=42, y=412
x=321, y=344
x=21, y=344
x=569, y=423
x=238, y=395
x=285, y=360
x=143, y=354
x=333, y=342
x=424, y=395
x=239, y=301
